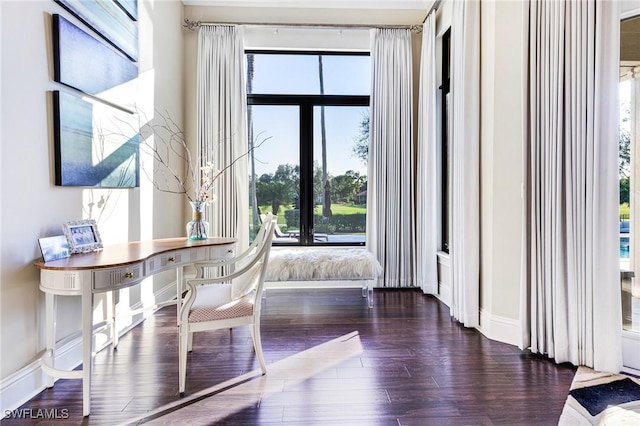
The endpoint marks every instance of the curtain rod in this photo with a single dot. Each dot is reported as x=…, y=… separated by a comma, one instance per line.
x=193, y=25
x=434, y=8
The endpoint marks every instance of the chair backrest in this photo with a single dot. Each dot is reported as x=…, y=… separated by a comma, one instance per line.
x=250, y=274
x=241, y=259
x=247, y=277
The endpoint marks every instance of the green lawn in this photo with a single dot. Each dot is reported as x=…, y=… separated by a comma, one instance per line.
x=348, y=208
x=624, y=211
x=335, y=209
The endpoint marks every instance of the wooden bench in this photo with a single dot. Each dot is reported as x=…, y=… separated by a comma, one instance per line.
x=330, y=265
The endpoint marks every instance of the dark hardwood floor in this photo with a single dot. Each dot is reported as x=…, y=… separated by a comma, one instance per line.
x=331, y=361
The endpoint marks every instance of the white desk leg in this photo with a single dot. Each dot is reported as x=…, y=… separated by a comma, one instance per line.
x=87, y=346
x=179, y=278
x=115, y=298
x=50, y=318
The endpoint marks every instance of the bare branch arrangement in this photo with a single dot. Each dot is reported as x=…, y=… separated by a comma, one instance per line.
x=174, y=170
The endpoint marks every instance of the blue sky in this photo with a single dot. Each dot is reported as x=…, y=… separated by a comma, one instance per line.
x=298, y=74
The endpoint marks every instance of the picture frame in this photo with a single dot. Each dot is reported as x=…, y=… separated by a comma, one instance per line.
x=108, y=20
x=130, y=7
x=82, y=62
x=54, y=248
x=82, y=235
x=95, y=145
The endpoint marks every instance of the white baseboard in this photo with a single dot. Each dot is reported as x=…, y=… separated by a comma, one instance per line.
x=21, y=386
x=430, y=289
x=445, y=294
x=501, y=329
x=630, y=350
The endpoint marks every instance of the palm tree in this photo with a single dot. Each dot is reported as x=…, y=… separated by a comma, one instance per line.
x=326, y=206
x=250, y=135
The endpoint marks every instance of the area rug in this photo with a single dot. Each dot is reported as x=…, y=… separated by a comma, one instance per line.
x=599, y=398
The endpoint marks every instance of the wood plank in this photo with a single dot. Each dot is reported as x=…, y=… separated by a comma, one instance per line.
x=330, y=359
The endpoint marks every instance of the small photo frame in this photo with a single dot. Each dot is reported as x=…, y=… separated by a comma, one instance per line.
x=82, y=235
x=54, y=248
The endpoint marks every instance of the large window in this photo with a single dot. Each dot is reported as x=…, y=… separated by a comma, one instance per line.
x=308, y=117
x=445, y=139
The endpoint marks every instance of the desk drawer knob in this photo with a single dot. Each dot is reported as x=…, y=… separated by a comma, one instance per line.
x=171, y=259
x=128, y=275
x=230, y=251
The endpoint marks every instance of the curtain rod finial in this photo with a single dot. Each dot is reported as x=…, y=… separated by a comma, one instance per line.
x=191, y=25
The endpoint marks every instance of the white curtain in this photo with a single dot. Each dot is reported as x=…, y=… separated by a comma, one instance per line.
x=571, y=286
x=427, y=160
x=464, y=247
x=222, y=127
x=391, y=176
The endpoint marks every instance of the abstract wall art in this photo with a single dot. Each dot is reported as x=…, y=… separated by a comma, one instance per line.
x=95, y=145
x=85, y=63
x=130, y=7
x=109, y=21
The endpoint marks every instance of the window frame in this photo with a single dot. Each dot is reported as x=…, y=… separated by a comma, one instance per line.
x=306, y=104
x=444, y=141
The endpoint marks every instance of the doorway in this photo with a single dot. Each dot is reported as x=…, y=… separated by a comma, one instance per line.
x=629, y=178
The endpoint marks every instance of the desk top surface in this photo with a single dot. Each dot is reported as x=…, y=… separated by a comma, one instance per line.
x=127, y=253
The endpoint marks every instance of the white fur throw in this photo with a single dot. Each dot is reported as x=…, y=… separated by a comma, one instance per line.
x=322, y=264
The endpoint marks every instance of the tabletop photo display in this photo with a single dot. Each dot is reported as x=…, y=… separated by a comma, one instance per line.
x=54, y=248
x=82, y=235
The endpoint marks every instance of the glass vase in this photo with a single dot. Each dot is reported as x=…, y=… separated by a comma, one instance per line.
x=197, y=227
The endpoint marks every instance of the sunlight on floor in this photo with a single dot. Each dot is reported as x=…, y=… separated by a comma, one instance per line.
x=248, y=390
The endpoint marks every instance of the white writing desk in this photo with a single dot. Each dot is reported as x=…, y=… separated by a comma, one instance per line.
x=112, y=268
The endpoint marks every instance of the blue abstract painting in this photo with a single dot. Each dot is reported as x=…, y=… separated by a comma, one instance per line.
x=85, y=63
x=95, y=145
x=109, y=21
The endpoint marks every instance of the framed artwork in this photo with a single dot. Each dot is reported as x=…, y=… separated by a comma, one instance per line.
x=87, y=64
x=130, y=7
x=95, y=145
x=109, y=21
x=54, y=248
x=82, y=235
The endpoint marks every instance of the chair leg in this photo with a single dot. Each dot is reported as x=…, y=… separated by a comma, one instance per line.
x=190, y=343
x=257, y=344
x=182, y=356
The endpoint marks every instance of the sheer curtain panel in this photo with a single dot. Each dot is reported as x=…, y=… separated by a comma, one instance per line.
x=391, y=174
x=427, y=158
x=464, y=249
x=222, y=129
x=571, y=287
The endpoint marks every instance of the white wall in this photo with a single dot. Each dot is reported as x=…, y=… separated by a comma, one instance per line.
x=33, y=207
x=501, y=168
x=629, y=8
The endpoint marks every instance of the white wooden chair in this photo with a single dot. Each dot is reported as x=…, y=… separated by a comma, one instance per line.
x=228, y=300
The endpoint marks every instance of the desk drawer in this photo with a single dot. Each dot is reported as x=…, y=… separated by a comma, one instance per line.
x=113, y=278
x=165, y=261
x=174, y=259
x=222, y=252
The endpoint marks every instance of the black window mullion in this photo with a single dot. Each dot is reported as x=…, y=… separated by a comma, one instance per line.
x=306, y=173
